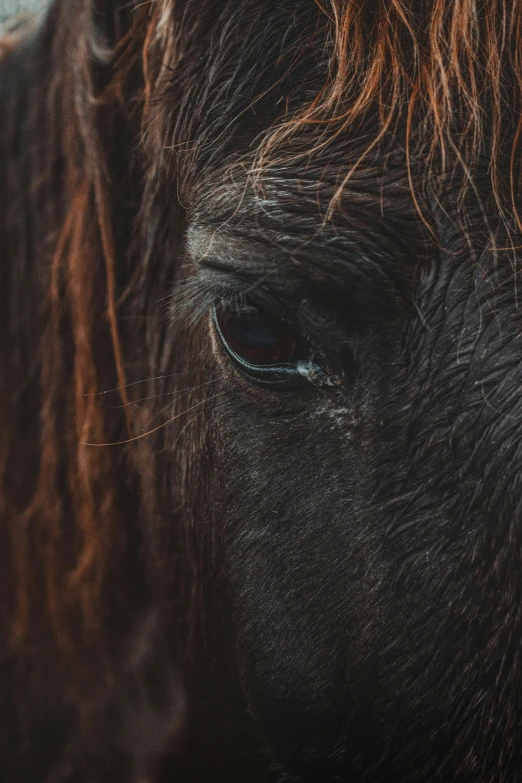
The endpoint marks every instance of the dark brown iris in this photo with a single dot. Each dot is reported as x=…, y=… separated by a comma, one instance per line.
x=256, y=339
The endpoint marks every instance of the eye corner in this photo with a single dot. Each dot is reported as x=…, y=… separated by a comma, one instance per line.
x=319, y=377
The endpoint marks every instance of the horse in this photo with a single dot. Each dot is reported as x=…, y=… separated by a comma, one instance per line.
x=260, y=462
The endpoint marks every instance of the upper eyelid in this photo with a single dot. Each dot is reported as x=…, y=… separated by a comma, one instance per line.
x=223, y=276
x=225, y=285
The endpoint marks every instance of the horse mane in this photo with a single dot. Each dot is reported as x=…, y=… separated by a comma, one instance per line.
x=97, y=164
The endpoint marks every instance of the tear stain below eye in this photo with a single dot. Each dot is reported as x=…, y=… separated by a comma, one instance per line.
x=317, y=376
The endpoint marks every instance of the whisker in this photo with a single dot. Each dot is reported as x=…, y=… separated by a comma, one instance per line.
x=165, y=394
x=150, y=432
x=135, y=383
x=173, y=402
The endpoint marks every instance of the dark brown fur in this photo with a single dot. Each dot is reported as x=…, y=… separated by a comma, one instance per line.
x=116, y=641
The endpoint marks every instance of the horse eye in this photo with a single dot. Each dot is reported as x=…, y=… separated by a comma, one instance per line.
x=257, y=340
x=260, y=346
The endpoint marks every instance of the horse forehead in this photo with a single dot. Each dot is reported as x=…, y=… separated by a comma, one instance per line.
x=305, y=250
x=292, y=209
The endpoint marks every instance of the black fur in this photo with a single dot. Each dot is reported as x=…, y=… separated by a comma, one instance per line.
x=311, y=586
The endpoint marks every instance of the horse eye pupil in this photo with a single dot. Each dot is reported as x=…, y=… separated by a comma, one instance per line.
x=255, y=333
x=257, y=340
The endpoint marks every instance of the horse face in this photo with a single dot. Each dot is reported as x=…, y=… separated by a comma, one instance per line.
x=366, y=402
x=368, y=413
x=326, y=524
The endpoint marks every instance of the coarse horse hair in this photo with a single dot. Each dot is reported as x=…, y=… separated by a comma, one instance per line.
x=137, y=618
